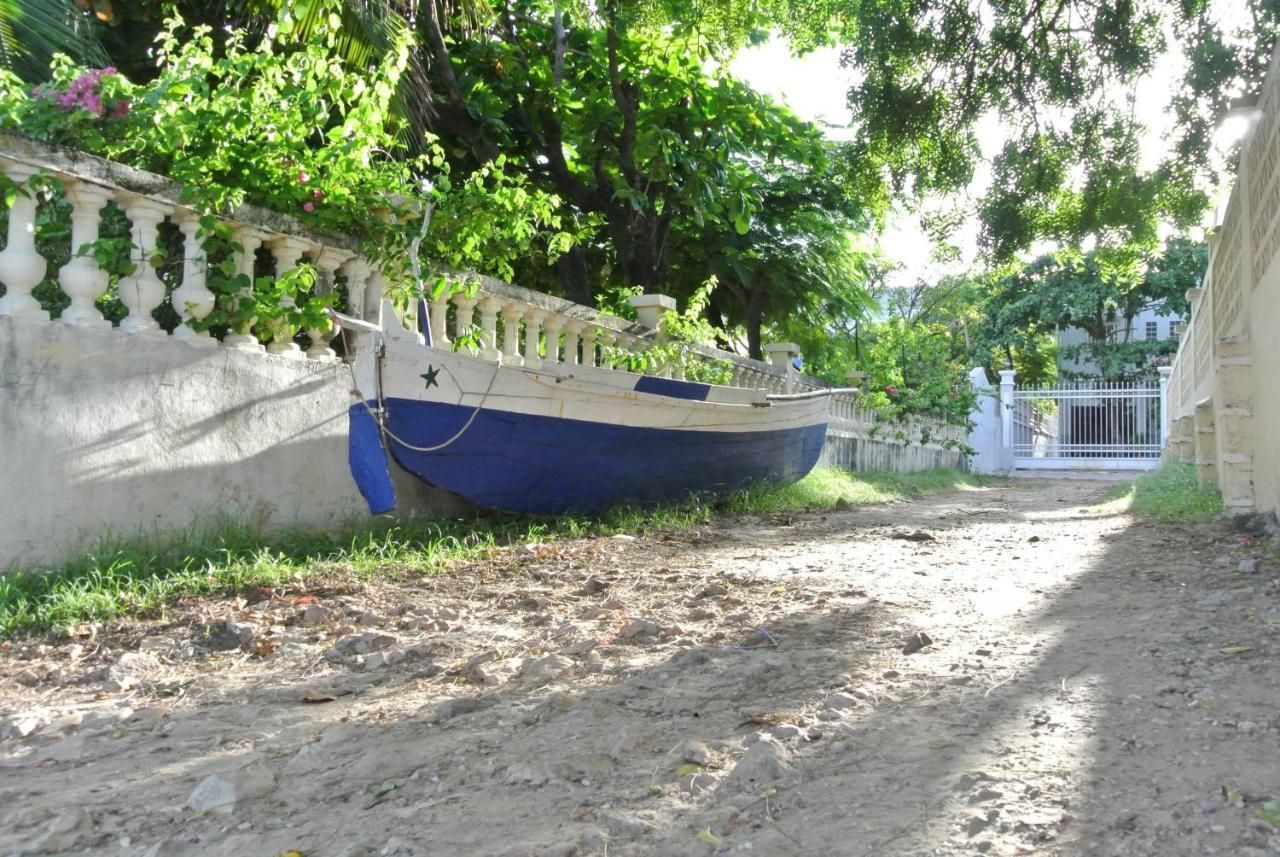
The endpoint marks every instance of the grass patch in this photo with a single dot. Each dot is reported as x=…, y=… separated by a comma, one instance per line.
x=1169, y=494
x=825, y=487
x=139, y=576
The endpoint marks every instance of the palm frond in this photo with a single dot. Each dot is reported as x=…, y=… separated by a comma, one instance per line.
x=32, y=31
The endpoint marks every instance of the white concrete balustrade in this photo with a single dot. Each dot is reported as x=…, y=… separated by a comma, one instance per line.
x=504, y=322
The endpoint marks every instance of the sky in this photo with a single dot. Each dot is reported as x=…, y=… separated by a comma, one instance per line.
x=815, y=86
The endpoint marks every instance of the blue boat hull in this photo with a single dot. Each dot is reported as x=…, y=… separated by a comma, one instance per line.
x=540, y=465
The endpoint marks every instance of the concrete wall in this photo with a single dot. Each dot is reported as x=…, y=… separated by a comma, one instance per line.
x=1265, y=319
x=852, y=452
x=1224, y=399
x=105, y=432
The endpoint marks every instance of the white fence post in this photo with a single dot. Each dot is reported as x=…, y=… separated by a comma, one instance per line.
x=1006, y=420
x=985, y=438
x=1165, y=373
x=782, y=355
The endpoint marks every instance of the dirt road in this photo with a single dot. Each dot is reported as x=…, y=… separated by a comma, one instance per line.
x=1093, y=686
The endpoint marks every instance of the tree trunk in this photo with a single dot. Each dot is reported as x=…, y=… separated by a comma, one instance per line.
x=574, y=275
x=754, y=318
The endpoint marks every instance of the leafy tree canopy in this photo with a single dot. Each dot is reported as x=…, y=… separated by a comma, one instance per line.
x=1062, y=291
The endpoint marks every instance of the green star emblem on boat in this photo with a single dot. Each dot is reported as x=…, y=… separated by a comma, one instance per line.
x=430, y=376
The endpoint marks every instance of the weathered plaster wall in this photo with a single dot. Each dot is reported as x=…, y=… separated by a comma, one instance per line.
x=102, y=431
x=853, y=452
x=1264, y=318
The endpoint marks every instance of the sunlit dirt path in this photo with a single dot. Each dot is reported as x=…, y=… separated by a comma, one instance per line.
x=1093, y=686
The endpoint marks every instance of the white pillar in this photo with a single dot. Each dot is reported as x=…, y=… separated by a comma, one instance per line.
x=327, y=262
x=651, y=310
x=782, y=356
x=1165, y=373
x=287, y=251
x=555, y=323
x=142, y=291
x=589, y=333
x=192, y=299
x=985, y=437
x=21, y=267
x=241, y=336
x=1006, y=420
x=533, y=319
x=81, y=278
x=511, y=314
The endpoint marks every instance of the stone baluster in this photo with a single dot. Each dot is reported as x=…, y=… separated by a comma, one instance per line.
x=533, y=319
x=606, y=338
x=357, y=272
x=489, y=307
x=142, y=291
x=589, y=333
x=21, y=267
x=511, y=314
x=327, y=262
x=466, y=307
x=438, y=318
x=241, y=336
x=287, y=251
x=375, y=295
x=555, y=323
x=81, y=278
x=572, y=336
x=192, y=299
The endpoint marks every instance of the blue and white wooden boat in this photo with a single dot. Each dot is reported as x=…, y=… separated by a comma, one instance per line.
x=564, y=437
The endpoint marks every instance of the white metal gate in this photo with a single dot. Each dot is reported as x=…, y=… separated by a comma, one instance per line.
x=1090, y=424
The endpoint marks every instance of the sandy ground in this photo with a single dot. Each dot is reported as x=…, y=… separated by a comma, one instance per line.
x=1092, y=686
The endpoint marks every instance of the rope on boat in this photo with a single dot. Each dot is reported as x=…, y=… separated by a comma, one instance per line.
x=811, y=394
x=380, y=418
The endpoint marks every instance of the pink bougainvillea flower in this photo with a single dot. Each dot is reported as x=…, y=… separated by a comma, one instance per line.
x=308, y=206
x=303, y=178
x=891, y=390
x=317, y=195
x=121, y=108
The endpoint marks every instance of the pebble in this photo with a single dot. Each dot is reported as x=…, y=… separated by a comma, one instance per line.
x=214, y=794
x=219, y=793
x=450, y=708
x=840, y=701
x=695, y=784
x=546, y=669
x=698, y=753
x=764, y=762
x=580, y=647
x=385, y=658
x=244, y=633
x=1248, y=566
x=787, y=732
x=363, y=644
x=317, y=614
x=638, y=628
